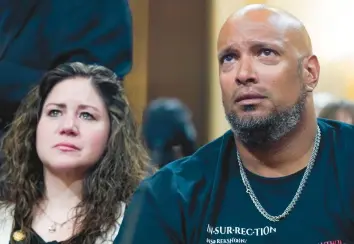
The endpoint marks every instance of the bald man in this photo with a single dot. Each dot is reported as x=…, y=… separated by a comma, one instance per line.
x=279, y=175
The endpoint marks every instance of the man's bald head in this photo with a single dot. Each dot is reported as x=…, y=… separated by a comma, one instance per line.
x=289, y=28
x=267, y=73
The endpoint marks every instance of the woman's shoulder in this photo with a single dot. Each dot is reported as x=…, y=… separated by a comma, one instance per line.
x=6, y=221
x=6, y=209
x=6, y=213
x=120, y=215
x=109, y=237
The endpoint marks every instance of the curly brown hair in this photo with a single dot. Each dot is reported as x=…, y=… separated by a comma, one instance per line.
x=110, y=182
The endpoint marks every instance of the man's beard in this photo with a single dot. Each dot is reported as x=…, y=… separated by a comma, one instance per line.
x=263, y=131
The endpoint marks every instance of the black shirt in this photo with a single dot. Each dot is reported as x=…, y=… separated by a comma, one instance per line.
x=202, y=199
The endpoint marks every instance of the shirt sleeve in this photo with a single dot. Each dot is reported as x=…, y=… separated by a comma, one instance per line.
x=91, y=32
x=97, y=32
x=154, y=214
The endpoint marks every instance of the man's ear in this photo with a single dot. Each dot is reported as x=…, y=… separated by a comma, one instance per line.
x=311, y=72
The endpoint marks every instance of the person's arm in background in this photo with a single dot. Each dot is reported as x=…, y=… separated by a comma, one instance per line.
x=55, y=32
x=95, y=32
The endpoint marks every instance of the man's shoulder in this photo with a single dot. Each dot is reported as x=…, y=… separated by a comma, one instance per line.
x=338, y=142
x=207, y=155
x=197, y=167
x=338, y=130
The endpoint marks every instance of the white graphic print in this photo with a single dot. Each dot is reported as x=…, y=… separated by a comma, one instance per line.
x=221, y=234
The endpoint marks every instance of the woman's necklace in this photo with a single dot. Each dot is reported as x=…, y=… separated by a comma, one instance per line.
x=53, y=227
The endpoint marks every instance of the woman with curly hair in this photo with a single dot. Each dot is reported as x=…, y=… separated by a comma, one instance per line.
x=72, y=159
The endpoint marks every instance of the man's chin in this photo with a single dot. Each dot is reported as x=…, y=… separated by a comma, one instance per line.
x=254, y=122
x=253, y=119
x=253, y=115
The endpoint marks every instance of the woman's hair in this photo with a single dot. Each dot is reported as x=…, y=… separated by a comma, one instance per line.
x=111, y=181
x=167, y=124
x=331, y=109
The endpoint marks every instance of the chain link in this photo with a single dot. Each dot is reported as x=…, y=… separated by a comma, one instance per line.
x=303, y=181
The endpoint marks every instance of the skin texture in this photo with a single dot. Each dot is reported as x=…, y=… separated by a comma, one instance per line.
x=267, y=52
x=73, y=113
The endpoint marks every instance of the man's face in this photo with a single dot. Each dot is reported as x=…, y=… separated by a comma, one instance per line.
x=260, y=73
x=259, y=70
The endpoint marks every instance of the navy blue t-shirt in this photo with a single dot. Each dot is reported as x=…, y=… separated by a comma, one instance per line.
x=201, y=199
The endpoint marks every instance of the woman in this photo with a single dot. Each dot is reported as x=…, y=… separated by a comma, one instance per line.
x=72, y=160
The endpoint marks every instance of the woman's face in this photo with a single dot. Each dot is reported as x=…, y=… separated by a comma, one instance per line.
x=74, y=126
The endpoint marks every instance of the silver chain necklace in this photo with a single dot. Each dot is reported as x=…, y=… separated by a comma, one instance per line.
x=299, y=189
x=53, y=227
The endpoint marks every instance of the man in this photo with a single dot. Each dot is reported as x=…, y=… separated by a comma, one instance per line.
x=279, y=176
x=36, y=36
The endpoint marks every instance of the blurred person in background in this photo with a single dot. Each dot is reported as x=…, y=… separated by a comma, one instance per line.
x=342, y=111
x=168, y=131
x=321, y=99
x=36, y=36
x=73, y=158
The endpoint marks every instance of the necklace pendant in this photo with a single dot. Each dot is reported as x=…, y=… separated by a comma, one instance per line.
x=19, y=235
x=52, y=228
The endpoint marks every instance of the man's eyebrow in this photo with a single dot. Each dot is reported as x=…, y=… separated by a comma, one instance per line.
x=226, y=50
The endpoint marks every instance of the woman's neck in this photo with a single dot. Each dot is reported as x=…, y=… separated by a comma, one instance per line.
x=56, y=215
x=62, y=190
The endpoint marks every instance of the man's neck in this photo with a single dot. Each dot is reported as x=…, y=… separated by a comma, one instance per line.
x=285, y=157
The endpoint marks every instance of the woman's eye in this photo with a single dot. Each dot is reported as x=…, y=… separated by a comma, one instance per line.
x=54, y=113
x=87, y=116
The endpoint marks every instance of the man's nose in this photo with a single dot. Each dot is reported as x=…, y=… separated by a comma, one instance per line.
x=246, y=72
